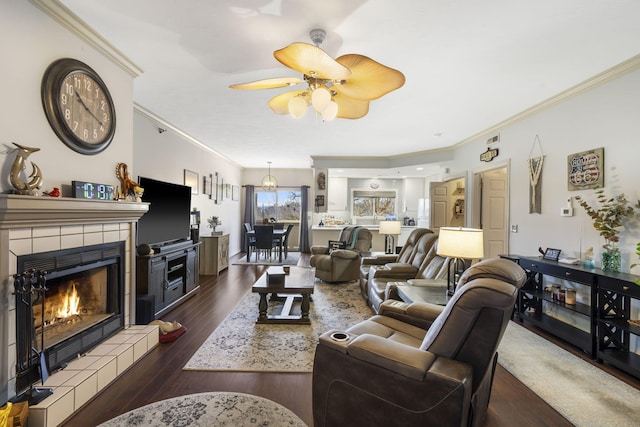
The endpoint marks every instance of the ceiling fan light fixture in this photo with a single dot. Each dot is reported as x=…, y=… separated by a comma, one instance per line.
x=320, y=99
x=330, y=112
x=297, y=106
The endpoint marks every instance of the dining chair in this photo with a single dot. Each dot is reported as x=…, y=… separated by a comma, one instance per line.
x=264, y=240
x=251, y=239
x=285, y=241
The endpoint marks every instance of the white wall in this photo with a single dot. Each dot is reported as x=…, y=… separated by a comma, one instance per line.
x=29, y=42
x=165, y=156
x=606, y=116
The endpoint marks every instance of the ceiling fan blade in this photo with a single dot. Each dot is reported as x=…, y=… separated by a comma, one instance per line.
x=268, y=83
x=369, y=79
x=350, y=108
x=280, y=103
x=312, y=61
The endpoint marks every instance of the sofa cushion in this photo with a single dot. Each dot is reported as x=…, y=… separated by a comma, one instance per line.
x=391, y=329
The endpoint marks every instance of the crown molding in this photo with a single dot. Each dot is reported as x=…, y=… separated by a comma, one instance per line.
x=73, y=23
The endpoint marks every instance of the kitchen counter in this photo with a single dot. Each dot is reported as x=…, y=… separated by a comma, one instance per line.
x=320, y=235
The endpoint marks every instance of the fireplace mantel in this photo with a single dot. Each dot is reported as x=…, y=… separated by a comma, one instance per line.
x=29, y=211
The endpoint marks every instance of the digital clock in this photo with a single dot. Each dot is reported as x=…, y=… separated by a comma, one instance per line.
x=92, y=190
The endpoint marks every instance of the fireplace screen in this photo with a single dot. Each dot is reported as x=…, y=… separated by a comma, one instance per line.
x=66, y=303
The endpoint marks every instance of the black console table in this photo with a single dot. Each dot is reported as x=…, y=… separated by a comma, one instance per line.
x=597, y=321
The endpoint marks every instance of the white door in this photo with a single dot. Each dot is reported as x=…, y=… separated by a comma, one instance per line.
x=493, y=212
x=439, y=192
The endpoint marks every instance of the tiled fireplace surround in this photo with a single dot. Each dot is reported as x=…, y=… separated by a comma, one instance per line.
x=39, y=224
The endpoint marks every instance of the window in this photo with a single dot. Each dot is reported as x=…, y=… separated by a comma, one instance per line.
x=373, y=203
x=281, y=205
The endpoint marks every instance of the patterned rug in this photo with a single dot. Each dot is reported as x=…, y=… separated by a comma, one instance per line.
x=209, y=409
x=582, y=393
x=238, y=344
x=291, y=259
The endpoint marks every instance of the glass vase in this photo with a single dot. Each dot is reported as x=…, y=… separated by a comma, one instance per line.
x=611, y=260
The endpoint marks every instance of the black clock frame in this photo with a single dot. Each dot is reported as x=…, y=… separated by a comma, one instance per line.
x=50, y=92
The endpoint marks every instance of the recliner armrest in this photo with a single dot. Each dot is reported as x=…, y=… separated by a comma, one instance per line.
x=319, y=250
x=405, y=360
x=420, y=314
x=345, y=254
x=399, y=271
x=379, y=259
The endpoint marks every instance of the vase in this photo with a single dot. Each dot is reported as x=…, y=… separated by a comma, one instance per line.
x=611, y=260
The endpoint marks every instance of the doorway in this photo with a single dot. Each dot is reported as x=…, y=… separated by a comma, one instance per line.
x=491, y=207
x=447, y=204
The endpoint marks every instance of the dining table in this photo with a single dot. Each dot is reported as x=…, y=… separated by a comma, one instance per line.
x=278, y=234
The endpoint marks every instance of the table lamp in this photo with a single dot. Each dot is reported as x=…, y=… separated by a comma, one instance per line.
x=389, y=229
x=458, y=244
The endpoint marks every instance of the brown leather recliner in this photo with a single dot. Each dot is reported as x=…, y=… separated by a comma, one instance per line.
x=426, y=264
x=406, y=256
x=419, y=364
x=342, y=265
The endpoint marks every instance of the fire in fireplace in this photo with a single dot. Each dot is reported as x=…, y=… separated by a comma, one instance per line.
x=67, y=302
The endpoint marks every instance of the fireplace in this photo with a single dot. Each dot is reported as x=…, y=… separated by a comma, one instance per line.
x=67, y=302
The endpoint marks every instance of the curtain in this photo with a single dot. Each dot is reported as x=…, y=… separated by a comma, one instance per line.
x=249, y=211
x=305, y=247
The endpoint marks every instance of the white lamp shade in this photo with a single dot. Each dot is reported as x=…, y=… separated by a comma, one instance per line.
x=467, y=243
x=390, y=227
x=330, y=112
x=297, y=106
x=320, y=99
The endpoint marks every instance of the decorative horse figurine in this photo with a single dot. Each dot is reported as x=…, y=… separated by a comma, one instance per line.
x=131, y=190
x=19, y=164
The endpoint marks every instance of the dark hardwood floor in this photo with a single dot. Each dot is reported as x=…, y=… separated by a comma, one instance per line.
x=159, y=374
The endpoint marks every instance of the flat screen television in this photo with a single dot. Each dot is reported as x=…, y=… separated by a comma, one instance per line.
x=169, y=218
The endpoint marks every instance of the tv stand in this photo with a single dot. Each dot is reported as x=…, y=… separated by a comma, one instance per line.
x=169, y=274
x=170, y=247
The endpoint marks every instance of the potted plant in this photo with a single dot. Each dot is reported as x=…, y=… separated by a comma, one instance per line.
x=608, y=220
x=637, y=281
x=214, y=221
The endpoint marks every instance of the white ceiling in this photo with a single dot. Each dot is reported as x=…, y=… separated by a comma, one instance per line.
x=469, y=65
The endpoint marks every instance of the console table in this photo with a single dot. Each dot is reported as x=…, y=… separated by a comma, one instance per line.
x=214, y=254
x=597, y=321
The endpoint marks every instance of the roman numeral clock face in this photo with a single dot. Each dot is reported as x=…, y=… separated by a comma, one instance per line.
x=78, y=106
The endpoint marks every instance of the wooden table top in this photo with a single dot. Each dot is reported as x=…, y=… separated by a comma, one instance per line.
x=299, y=280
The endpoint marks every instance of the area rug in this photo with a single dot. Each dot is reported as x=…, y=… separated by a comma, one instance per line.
x=582, y=393
x=291, y=259
x=239, y=344
x=209, y=409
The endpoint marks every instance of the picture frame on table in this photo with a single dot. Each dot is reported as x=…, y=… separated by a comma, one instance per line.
x=191, y=179
x=551, y=254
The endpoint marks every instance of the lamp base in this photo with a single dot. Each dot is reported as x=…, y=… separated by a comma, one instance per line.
x=389, y=244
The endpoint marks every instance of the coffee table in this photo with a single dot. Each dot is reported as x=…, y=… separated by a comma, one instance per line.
x=297, y=284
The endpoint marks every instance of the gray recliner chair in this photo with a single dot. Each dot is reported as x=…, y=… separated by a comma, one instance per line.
x=342, y=265
x=419, y=364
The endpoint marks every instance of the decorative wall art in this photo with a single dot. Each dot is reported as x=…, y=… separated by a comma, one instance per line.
x=206, y=185
x=191, y=180
x=227, y=191
x=219, y=188
x=235, y=193
x=534, y=165
x=586, y=169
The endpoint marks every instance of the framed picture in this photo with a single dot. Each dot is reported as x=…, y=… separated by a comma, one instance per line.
x=551, y=254
x=191, y=180
x=586, y=169
x=219, y=188
x=206, y=185
x=227, y=191
x=235, y=193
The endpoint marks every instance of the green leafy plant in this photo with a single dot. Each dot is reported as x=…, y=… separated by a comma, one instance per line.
x=214, y=221
x=633, y=265
x=609, y=217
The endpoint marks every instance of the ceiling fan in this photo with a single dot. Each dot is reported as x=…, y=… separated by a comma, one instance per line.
x=341, y=87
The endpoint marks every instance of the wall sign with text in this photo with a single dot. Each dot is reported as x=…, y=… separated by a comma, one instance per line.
x=586, y=169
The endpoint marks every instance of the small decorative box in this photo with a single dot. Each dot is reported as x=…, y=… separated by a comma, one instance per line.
x=275, y=276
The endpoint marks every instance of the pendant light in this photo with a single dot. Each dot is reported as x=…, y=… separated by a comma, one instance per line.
x=269, y=182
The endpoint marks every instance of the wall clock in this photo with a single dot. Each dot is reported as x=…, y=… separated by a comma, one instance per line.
x=78, y=106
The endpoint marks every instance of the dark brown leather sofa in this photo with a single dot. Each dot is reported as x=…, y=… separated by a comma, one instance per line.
x=419, y=364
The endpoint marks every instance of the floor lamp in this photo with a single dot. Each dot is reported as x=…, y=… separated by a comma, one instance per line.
x=389, y=229
x=459, y=244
